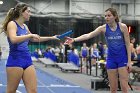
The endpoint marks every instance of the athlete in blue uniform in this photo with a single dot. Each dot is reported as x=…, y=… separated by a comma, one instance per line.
x=94, y=54
x=119, y=56
x=84, y=54
x=19, y=64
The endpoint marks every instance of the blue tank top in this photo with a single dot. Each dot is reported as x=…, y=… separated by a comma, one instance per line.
x=21, y=47
x=96, y=52
x=115, y=41
x=84, y=51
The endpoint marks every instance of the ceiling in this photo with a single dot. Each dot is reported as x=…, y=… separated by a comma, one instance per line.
x=7, y=4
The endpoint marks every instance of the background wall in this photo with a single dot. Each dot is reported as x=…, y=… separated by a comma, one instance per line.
x=50, y=17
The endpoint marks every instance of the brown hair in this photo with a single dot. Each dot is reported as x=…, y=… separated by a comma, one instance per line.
x=114, y=13
x=13, y=14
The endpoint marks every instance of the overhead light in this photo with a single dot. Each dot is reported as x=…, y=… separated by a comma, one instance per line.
x=1, y=2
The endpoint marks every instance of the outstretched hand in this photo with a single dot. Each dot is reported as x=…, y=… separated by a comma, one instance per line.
x=35, y=36
x=68, y=41
x=55, y=37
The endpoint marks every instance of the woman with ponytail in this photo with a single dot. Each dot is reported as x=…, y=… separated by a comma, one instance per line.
x=19, y=64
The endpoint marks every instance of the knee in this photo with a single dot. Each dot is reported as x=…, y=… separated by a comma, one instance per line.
x=113, y=90
x=124, y=88
x=123, y=78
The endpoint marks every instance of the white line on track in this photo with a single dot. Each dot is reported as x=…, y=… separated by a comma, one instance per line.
x=17, y=91
x=51, y=85
x=57, y=85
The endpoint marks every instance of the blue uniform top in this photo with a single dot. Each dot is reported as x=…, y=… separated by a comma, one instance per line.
x=116, y=43
x=22, y=47
x=84, y=52
x=96, y=53
x=19, y=55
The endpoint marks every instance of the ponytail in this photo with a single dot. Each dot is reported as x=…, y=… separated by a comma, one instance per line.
x=9, y=17
x=13, y=14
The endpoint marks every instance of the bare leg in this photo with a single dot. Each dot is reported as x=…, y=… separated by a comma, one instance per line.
x=14, y=75
x=93, y=61
x=113, y=79
x=123, y=77
x=30, y=80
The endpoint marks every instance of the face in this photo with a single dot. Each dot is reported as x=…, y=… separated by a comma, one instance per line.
x=109, y=17
x=95, y=45
x=26, y=14
x=84, y=44
x=133, y=40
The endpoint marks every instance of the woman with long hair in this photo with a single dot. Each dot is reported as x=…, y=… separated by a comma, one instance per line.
x=118, y=42
x=19, y=64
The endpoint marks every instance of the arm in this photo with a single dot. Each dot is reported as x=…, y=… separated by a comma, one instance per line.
x=11, y=32
x=42, y=39
x=48, y=38
x=127, y=42
x=94, y=33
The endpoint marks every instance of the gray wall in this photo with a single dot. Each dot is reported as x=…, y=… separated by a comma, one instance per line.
x=127, y=10
x=73, y=8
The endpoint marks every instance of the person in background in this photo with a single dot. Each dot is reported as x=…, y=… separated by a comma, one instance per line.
x=94, y=54
x=118, y=42
x=84, y=54
x=105, y=51
x=133, y=48
x=101, y=50
x=136, y=65
x=133, y=52
x=133, y=40
x=19, y=64
x=57, y=53
x=62, y=52
x=39, y=52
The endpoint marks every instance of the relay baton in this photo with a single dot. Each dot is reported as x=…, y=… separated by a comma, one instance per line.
x=65, y=34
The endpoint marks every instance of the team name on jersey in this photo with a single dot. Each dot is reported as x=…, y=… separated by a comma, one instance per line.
x=114, y=37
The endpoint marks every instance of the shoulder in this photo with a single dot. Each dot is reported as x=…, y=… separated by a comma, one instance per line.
x=11, y=24
x=102, y=28
x=124, y=29
x=122, y=26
